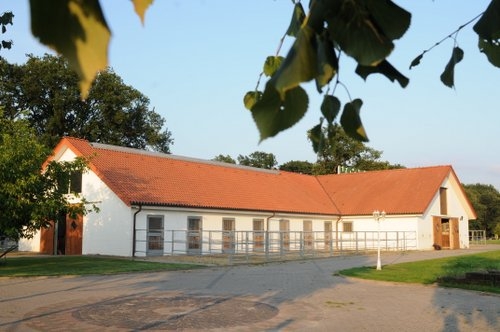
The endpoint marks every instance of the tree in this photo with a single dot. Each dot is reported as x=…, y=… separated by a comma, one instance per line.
x=45, y=92
x=298, y=166
x=335, y=148
x=30, y=198
x=486, y=201
x=258, y=159
x=224, y=159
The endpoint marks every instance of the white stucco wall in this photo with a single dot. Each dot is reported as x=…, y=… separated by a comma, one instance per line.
x=109, y=231
x=32, y=244
x=402, y=230
x=456, y=209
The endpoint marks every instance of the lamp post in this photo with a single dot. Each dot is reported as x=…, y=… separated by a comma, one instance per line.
x=377, y=215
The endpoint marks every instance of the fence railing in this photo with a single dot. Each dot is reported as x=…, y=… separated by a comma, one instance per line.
x=269, y=245
x=477, y=237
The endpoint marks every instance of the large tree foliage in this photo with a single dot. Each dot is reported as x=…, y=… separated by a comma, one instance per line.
x=258, y=159
x=298, y=166
x=336, y=149
x=45, y=92
x=486, y=201
x=224, y=159
x=30, y=197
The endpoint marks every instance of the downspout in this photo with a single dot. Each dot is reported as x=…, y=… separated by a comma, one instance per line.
x=133, y=230
x=267, y=233
x=337, y=232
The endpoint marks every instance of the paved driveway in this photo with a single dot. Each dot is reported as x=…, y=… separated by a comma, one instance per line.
x=290, y=296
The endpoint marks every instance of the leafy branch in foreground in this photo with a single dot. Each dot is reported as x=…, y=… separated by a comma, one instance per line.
x=364, y=31
x=6, y=19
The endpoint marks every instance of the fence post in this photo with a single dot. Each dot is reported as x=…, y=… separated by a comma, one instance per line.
x=267, y=245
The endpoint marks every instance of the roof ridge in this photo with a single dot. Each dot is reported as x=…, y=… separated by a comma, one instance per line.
x=156, y=154
x=389, y=170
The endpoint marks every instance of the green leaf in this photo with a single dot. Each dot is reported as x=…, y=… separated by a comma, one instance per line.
x=298, y=17
x=488, y=26
x=273, y=115
x=365, y=29
x=315, y=135
x=384, y=68
x=416, y=61
x=85, y=38
x=140, y=7
x=330, y=108
x=488, y=30
x=351, y=122
x=327, y=61
x=447, y=77
x=251, y=97
x=272, y=64
x=300, y=63
x=492, y=51
x=393, y=20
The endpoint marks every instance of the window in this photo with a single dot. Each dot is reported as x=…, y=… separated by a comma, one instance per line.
x=285, y=234
x=228, y=234
x=71, y=185
x=347, y=226
x=194, y=234
x=328, y=233
x=258, y=234
x=155, y=235
x=75, y=182
x=308, y=235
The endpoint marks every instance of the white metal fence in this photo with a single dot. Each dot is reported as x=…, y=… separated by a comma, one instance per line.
x=271, y=244
x=477, y=237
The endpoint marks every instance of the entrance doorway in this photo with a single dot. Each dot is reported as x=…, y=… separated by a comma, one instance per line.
x=446, y=233
x=66, y=236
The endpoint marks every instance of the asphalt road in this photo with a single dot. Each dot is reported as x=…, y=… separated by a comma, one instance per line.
x=288, y=296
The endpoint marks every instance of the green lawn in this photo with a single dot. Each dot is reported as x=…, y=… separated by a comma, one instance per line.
x=428, y=271
x=80, y=265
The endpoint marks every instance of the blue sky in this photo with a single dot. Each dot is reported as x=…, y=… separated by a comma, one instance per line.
x=196, y=59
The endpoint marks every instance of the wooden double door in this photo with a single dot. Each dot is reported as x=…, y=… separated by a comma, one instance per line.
x=446, y=233
x=66, y=236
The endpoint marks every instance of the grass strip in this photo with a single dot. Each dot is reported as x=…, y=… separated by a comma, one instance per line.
x=430, y=271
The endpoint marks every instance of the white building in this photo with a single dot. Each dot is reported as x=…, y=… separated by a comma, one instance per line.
x=158, y=204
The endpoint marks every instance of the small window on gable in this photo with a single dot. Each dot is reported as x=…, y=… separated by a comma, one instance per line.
x=75, y=182
x=347, y=226
x=443, y=201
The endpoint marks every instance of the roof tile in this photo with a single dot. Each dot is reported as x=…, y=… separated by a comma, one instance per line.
x=150, y=178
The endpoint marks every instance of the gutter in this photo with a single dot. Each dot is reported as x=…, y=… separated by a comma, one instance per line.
x=133, y=229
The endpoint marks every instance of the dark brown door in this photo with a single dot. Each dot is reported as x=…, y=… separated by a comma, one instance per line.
x=47, y=240
x=454, y=234
x=438, y=233
x=73, y=238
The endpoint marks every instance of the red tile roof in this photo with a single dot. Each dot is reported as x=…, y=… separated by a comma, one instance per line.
x=141, y=177
x=401, y=191
x=158, y=179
